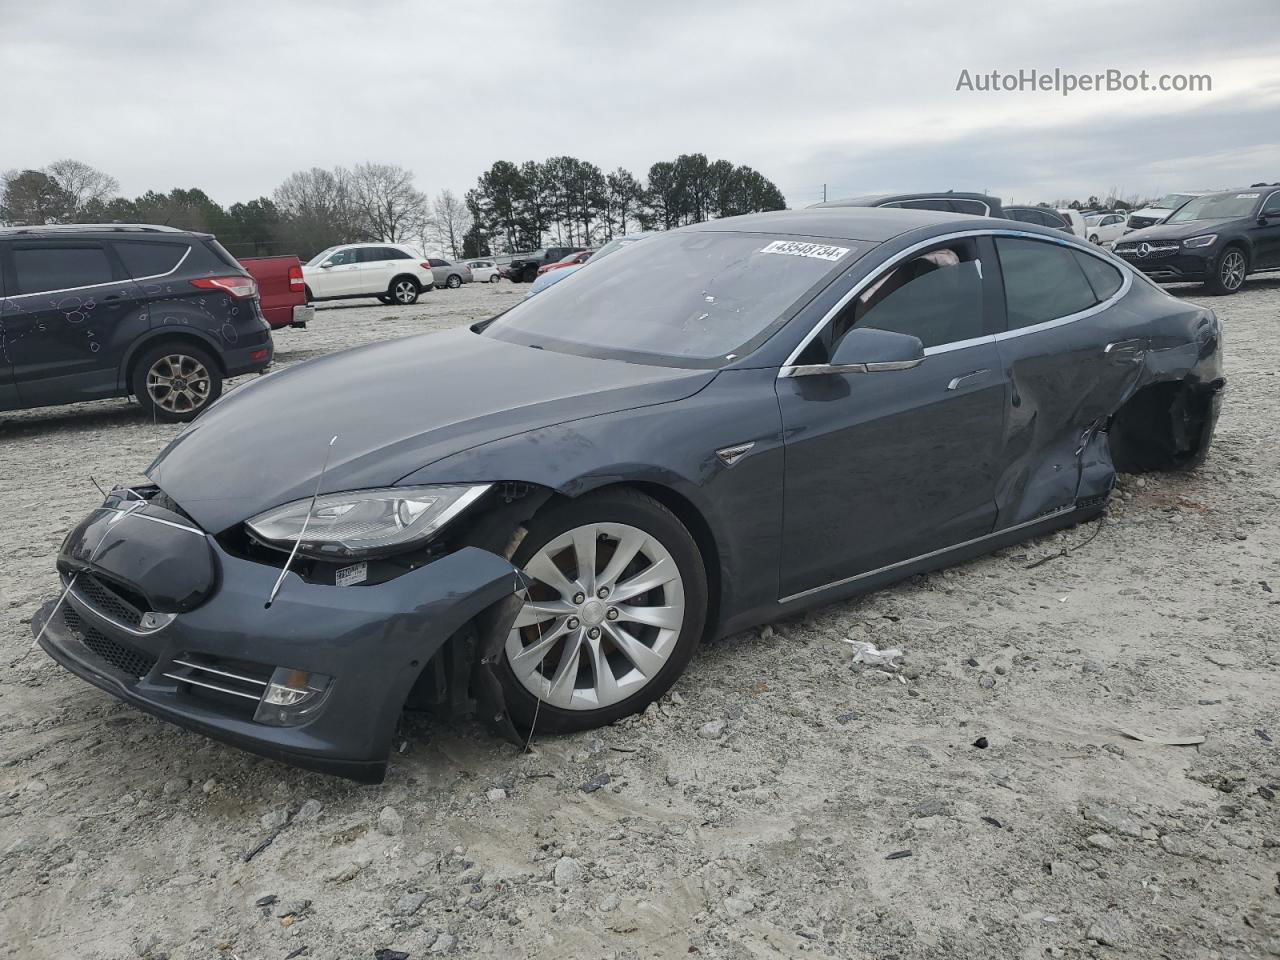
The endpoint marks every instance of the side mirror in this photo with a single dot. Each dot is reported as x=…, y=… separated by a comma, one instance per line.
x=877, y=350
x=867, y=350
x=326, y=265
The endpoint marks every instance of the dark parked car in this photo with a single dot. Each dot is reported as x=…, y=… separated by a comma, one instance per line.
x=1217, y=239
x=91, y=311
x=548, y=511
x=974, y=204
x=524, y=266
x=1041, y=216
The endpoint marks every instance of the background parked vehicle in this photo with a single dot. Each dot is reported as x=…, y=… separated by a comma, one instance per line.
x=484, y=271
x=1074, y=220
x=1159, y=211
x=1105, y=228
x=524, y=266
x=1041, y=216
x=281, y=290
x=1215, y=238
x=93, y=311
x=572, y=260
x=555, y=276
x=975, y=204
x=392, y=273
x=451, y=275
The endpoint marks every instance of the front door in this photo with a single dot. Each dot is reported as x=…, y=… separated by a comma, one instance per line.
x=1266, y=236
x=338, y=275
x=882, y=467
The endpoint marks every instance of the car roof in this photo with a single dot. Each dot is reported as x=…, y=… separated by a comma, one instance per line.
x=95, y=230
x=872, y=224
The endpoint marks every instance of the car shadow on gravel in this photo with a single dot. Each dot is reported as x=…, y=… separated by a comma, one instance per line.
x=98, y=414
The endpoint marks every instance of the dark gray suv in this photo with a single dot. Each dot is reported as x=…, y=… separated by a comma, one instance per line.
x=94, y=311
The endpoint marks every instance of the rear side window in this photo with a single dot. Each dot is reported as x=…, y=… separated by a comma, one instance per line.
x=1103, y=277
x=39, y=269
x=942, y=205
x=974, y=207
x=144, y=259
x=1042, y=281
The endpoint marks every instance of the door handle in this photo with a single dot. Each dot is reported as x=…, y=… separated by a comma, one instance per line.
x=956, y=381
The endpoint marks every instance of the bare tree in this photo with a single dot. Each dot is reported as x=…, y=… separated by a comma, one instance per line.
x=89, y=188
x=317, y=210
x=450, y=220
x=389, y=206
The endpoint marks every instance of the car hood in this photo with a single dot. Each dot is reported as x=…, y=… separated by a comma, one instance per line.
x=394, y=407
x=1174, y=231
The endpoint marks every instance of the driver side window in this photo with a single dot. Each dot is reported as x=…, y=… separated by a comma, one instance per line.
x=343, y=257
x=935, y=295
x=1272, y=207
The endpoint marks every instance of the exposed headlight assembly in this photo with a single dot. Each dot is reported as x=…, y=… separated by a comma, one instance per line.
x=1205, y=240
x=364, y=523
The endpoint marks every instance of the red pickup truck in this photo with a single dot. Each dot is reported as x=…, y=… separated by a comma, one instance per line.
x=281, y=290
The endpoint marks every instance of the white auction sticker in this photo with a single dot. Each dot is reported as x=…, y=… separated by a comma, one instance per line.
x=356, y=573
x=796, y=248
x=1248, y=196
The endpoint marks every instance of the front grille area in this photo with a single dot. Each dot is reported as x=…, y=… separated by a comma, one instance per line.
x=1154, y=252
x=1137, y=223
x=109, y=600
x=235, y=684
x=124, y=659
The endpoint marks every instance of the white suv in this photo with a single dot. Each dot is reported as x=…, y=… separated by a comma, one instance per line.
x=392, y=273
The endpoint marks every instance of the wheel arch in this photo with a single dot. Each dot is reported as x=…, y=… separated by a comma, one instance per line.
x=189, y=335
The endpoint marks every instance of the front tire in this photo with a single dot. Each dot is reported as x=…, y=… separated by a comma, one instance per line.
x=1229, y=272
x=404, y=291
x=1093, y=238
x=176, y=382
x=616, y=601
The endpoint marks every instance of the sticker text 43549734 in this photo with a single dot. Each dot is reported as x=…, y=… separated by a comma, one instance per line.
x=798, y=248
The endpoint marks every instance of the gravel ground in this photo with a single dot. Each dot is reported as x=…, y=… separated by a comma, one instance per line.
x=980, y=801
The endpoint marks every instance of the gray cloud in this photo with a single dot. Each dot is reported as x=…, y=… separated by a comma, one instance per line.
x=234, y=96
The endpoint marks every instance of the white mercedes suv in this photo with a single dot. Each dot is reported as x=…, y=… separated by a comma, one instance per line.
x=388, y=271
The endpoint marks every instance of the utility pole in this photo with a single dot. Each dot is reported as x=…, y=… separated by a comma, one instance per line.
x=824, y=193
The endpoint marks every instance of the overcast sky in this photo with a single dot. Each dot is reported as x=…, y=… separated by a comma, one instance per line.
x=231, y=97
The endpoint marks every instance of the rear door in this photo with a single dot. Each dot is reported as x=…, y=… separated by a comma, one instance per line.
x=883, y=467
x=67, y=300
x=1070, y=355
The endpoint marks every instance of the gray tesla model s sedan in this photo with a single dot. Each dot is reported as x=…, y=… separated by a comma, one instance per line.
x=542, y=515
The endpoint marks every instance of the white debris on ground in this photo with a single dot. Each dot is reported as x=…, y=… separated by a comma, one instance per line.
x=780, y=801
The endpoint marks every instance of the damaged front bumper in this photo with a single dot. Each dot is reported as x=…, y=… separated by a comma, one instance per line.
x=157, y=613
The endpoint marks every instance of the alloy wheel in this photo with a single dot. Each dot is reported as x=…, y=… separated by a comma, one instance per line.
x=1232, y=270
x=454, y=282
x=603, y=608
x=178, y=383
x=405, y=292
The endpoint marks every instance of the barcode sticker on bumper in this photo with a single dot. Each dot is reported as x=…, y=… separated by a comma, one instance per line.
x=356, y=573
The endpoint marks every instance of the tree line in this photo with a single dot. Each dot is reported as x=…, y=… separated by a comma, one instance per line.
x=513, y=207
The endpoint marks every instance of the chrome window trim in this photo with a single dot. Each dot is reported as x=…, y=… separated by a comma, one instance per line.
x=899, y=205
x=109, y=283
x=1071, y=241
x=1262, y=209
x=926, y=556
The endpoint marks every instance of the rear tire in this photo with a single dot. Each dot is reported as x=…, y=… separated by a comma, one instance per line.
x=642, y=640
x=1229, y=272
x=404, y=291
x=176, y=381
x=495, y=278
x=454, y=281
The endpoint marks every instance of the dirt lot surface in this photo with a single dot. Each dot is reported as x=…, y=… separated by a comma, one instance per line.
x=981, y=801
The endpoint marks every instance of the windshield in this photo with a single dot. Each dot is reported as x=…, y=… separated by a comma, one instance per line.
x=319, y=257
x=1171, y=201
x=1218, y=206
x=688, y=298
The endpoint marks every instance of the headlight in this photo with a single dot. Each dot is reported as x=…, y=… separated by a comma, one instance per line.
x=364, y=523
x=1202, y=241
